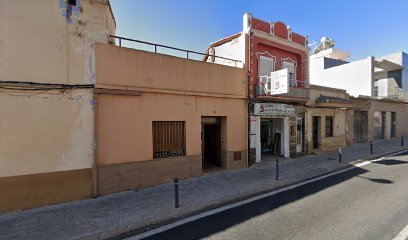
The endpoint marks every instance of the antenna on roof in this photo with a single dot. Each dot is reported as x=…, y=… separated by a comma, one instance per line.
x=313, y=43
x=325, y=43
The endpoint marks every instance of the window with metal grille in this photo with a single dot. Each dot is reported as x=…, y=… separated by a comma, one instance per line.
x=169, y=139
x=329, y=126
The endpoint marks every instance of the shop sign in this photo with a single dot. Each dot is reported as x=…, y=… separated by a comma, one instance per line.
x=266, y=109
x=279, y=82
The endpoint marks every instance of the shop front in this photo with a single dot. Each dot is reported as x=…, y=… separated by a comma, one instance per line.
x=276, y=129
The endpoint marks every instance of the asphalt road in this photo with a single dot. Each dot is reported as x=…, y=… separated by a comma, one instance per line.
x=369, y=202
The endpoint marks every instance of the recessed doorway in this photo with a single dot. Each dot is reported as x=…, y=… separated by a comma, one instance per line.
x=211, y=143
x=316, y=132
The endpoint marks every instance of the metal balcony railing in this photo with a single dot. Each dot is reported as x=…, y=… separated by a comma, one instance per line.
x=157, y=47
x=263, y=87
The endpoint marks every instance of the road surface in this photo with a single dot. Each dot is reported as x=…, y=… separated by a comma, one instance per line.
x=369, y=202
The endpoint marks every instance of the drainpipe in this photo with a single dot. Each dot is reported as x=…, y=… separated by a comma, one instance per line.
x=95, y=147
x=249, y=97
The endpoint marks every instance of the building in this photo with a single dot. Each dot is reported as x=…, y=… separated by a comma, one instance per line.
x=47, y=74
x=376, y=119
x=277, y=123
x=397, y=80
x=371, y=76
x=376, y=86
x=160, y=117
x=328, y=114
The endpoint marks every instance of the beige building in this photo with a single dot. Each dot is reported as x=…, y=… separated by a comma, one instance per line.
x=376, y=119
x=327, y=119
x=160, y=117
x=47, y=72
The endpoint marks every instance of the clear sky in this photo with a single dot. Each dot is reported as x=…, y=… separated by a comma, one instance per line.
x=363, y=27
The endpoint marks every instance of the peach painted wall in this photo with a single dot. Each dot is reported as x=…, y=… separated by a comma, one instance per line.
x=119, y=67
x=125, y=123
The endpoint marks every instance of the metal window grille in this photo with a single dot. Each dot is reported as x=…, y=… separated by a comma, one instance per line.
x=169, y=139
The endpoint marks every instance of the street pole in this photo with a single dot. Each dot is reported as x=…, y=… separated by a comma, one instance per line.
x=340, y=159
x=176, y=193
x=277, y=169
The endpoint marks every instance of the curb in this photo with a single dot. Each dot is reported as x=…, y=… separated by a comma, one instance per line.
x=115, y=234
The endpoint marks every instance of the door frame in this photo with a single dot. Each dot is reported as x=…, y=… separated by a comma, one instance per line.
x=210, y=120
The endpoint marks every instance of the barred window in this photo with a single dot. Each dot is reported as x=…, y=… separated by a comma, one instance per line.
x=169, y=139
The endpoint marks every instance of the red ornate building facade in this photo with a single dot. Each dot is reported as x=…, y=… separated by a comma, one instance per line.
x=276, y=123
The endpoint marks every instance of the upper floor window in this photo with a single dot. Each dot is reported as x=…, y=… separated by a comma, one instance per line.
x=266, y=66
x=291, y=69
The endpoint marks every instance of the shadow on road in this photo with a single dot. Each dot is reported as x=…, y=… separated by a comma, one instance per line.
x=215, y=223
x=391, y=162
x=378, y=180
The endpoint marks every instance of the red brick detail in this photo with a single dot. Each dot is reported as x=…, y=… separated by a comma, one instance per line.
x=297, y=38
x=281, y=30
x=260, y=25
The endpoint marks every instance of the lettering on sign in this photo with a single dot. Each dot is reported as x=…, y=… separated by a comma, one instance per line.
x=266, y=109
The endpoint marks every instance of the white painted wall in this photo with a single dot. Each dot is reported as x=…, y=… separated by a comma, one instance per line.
x=234, y=49
x=354, y=77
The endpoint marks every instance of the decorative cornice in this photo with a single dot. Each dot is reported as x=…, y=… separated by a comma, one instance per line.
x=288, y=59
x=280, y=41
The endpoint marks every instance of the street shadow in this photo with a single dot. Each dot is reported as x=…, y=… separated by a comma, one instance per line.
x=390, y=162
x=378, y=180
x=212, y=224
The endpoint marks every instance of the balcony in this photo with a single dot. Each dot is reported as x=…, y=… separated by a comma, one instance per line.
x=168, y=50
x=297, y=91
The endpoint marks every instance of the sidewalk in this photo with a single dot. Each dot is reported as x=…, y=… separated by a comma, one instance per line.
x=111, y=215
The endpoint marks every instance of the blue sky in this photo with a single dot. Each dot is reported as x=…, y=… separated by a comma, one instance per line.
x=363, y=27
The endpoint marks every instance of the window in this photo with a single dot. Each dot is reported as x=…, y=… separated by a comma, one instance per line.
x=265, y=67
x=169, y=139
x=291, y=70
x=329, y=126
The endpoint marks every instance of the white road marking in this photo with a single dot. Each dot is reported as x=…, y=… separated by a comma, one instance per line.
x=265, y=195
x=403, y=235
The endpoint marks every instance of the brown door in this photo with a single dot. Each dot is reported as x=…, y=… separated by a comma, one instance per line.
x=211, y=145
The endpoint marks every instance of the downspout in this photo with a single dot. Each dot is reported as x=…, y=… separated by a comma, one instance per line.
x=249, y=98
x=95, y=146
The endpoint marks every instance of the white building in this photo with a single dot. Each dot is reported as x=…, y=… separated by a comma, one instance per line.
x=371, y=76
x=401, y=77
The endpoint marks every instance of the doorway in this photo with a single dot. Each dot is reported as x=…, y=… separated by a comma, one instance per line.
x=211, y=143
x=360, y=126
x=316, y=132
x=300, y=135
x=271, y=137
x=393, y=124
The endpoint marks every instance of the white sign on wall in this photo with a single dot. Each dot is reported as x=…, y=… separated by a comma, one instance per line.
x=279, y=82
x=266, y=109
x=252, y=132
